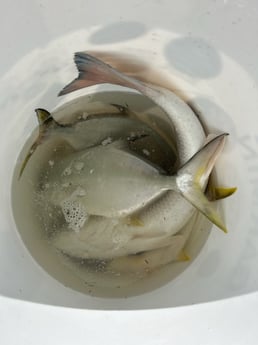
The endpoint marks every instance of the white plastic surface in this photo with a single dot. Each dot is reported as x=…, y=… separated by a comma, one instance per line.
x=207, y=49
x=229, y=322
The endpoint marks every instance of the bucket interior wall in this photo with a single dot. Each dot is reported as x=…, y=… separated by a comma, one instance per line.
x=205, y=51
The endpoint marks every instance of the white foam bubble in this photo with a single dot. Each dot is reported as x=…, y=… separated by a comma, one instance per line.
x=74, y=211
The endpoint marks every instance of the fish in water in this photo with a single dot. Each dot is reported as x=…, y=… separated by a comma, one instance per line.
x=109, y=238
x=113, y=182
x=189, y=132
x=170, y=208
x=95, y=130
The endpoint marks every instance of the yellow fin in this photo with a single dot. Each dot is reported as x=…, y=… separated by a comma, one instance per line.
x=221, y=192
x=182, y=256
x=134, y=221
x=44, y=119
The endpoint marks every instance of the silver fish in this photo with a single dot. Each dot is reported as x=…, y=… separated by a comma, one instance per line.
x=95, y=130
x=99, y=246
x=170, y=210
x=189, y=133
x=109, y=238
x=112, y=182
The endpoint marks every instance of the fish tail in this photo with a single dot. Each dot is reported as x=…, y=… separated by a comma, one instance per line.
x=192, y=176
x=93, y=71
x=44, y=119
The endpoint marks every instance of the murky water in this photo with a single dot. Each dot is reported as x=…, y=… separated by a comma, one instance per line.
x=70, y=258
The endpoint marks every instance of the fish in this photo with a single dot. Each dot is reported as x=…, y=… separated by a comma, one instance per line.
x=189, y=132
x=113, y=182
x=168, y=206
x=108, y=239
x=148, y=261
x=103, y=238
x=105, y=241
x=96, y=130
x=169, y=212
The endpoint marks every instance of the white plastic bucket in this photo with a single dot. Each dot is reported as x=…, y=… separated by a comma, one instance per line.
x=202, y=49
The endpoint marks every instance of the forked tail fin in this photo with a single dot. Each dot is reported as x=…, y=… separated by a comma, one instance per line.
x=93, y=71
x=191, y=179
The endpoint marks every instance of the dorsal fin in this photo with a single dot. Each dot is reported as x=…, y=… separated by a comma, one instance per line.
x=46, y=121
x=43, y=115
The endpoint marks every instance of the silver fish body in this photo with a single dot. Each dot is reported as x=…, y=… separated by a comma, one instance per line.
x=101, y=129
x=170, y=211
x=111, y=182
x=115, y=181
x=161, y=218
